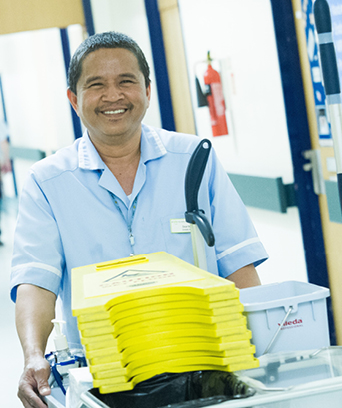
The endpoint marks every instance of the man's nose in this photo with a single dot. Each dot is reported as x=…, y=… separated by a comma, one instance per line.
x=112, y=93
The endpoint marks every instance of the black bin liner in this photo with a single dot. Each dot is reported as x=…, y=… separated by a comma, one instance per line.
x=170, y=390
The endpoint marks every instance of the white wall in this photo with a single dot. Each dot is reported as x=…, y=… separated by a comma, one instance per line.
x=241, y=33
x=240, y=36
x=282, y=238
x=34, y=84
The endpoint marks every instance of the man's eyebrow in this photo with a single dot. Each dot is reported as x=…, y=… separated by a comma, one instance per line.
x=128, y=75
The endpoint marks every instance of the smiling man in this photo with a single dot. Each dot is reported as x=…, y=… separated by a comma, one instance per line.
x=117, y=191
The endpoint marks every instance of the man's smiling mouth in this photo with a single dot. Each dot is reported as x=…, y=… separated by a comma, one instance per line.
x=114, y=112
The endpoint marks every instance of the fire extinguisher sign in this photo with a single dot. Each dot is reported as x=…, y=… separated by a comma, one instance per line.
x=219, y=105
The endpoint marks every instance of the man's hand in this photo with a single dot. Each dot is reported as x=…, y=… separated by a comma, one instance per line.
x=34, y=383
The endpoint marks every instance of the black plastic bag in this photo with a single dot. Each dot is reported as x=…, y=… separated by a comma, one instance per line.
x=169, y=390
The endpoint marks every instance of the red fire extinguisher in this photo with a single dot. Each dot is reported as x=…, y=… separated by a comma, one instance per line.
x=217, y=107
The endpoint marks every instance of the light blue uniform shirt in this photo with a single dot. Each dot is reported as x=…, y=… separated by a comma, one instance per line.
x=68, y=216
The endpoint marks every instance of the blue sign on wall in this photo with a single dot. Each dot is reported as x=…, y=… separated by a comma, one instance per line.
x=316, y=76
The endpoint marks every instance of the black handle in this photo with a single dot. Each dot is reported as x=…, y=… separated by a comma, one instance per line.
x=322, y=16
x=194, y=173
x=198, y=217
x=193, y=179
x=326, y=48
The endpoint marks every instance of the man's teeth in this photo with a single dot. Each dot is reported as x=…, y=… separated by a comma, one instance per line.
x=112, y=112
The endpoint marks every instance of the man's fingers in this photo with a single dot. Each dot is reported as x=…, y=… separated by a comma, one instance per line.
x=34, y=382
x=29, y=398
x=42, y=377
x=44, y=391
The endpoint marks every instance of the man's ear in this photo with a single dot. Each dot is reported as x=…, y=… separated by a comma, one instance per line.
x=73, y=99
x=148, y=93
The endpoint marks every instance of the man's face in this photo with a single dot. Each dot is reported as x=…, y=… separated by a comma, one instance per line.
x=112, y=97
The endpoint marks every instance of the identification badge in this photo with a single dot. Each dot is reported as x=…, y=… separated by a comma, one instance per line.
x=179, y=226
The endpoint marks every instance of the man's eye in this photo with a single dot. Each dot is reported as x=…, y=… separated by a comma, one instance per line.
x=95, y=84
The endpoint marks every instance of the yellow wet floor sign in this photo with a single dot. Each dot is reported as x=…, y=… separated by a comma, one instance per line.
x=145, y=315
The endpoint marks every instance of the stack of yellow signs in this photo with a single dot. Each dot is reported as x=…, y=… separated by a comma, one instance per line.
x=146, y=315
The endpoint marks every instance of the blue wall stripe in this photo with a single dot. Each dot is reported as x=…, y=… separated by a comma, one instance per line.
x=3, y=101
x=88, y=16
x=299, y=135
x=66, y=54
x=160, y=67
x=8, y=136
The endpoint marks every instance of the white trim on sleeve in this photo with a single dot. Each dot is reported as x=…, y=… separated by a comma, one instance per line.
x=39, y=266
x=237, y=247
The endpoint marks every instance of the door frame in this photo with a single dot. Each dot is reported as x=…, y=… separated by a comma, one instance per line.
x=300, y=141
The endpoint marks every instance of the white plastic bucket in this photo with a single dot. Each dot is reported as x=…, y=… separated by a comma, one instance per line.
x=306, y=324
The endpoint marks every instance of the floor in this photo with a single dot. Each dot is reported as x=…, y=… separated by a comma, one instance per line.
x=10, y=350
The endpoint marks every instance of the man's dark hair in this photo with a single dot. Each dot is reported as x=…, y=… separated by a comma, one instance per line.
x=110, y=39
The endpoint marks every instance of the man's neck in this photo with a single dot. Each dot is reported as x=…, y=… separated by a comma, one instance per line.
x=122, y=160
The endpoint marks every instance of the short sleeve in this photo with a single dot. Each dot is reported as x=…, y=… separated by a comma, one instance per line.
x=37, y=253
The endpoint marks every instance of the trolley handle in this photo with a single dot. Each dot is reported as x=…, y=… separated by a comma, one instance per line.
x=193, y=179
